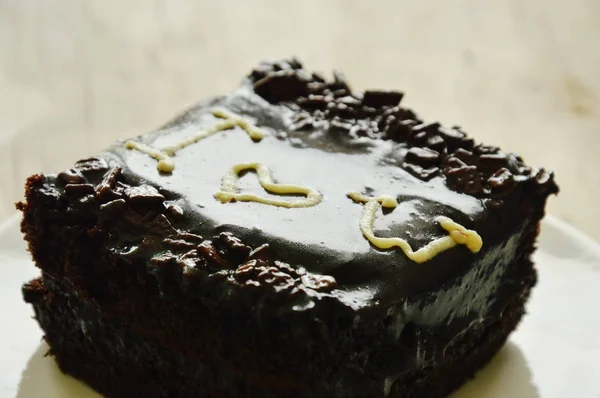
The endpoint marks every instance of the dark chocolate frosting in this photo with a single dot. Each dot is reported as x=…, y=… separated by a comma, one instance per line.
x=432, y=172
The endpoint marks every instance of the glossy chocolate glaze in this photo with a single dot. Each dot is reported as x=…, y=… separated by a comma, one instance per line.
x=325, y=238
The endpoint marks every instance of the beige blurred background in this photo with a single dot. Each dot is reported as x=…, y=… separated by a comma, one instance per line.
x=75, y=75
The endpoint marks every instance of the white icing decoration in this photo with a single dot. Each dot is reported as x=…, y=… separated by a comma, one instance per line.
x=165, y=162
x=164, y=155
x=457, y=234
x=229, y=190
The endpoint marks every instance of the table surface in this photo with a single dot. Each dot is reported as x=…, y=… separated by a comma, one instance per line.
x=75, y=76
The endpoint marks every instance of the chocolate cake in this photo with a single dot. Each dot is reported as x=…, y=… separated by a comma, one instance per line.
x=291, y=239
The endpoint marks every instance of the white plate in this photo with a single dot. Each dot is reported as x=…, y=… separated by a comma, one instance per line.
x=554, y=353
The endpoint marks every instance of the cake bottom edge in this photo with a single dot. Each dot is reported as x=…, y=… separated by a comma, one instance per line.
x=116, y=363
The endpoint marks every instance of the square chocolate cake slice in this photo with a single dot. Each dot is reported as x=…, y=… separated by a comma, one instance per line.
x=291, y=239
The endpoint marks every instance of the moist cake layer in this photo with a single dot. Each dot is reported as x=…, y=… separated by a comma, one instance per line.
x=89, y=347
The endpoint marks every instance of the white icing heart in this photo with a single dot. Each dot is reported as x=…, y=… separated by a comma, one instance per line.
x=229, y=190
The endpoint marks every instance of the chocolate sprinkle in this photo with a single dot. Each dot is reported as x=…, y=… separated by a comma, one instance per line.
x=424, y=157
x=208, y=250
x=109, y=181
x=144, y=197
x=377, y=114
x=112, y=209
x=492, y=162
x=92, y=165
x=502, y=183
x=465, y=179
x=79, y=190
x=378, y=99
x=281, y=86
x=262, y=252
x=71, y=176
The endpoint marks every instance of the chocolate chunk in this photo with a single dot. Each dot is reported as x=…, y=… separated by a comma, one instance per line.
x=545, y=181
x=455, y=139
x=294, y=63
x=268, y=274
x=300, y=116
x=316, y=88
x=360, y=131
x=245, y=271
x=494, y=204
x=219, y=275
x=109, y=181
x=467, y=157
x=543, y=176
x=164, y=259
x=492, y=162
x=339, y=82
x=367, y=111
x=384, y=121
x=410, y=123
x=452, y=134
x=191, y=263
x=424, y=157
x=516, y=166
x=395, y=111
x=427, y=127
x=453, y=163
x=424, y=174
x=293, y=106
x=418, y=139
x=467, y=144
x=319, y=282
x=288, y=269
x=281, y=86
x=402, y=114
x=112, y=209
x=397, y=131
x=340, y=124
x=208, y=250
x=144, y=198
x=175, y=211
x=262, y=70
x=278, y=281
x=341, y=110
x=349, y=101
x=312, y=102
x=71, y=176
x=234, y=245
x=190, y=237
x=161, y=225
x=436, y=143
x=486, y=149
x=340, y=93
x=256, y=274
x=380, y=98
x=262, y=252
x=92, y=165
x=79, y=190
x=318, y=78
x=302, y=124
x=281, y=65
x=502, y=183
x=179, y=244
x=466, y=179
